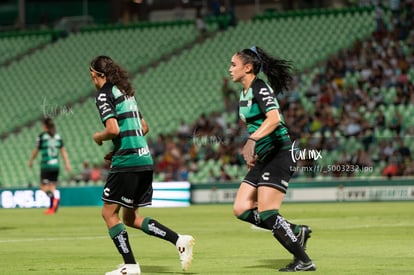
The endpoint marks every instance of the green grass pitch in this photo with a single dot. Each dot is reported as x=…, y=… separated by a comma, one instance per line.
x=348, y=238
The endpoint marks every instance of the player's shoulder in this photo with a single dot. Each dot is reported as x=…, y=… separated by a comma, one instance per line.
x=259, y=85
x=104, y=95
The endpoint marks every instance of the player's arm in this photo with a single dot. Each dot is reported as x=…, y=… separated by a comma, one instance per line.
x=32, y=157
x=65, y=159
x=268, y=105
x=144, y=124
x=145, y=127
x=270, y=123
x=111, y=131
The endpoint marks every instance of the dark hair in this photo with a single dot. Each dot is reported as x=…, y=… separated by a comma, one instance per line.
x=278, y=71
x=50, y=126
x=114, y=73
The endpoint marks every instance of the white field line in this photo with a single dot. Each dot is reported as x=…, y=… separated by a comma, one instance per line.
x=53, y=239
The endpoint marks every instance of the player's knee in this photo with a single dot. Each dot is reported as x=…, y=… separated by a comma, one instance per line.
x=238, y=209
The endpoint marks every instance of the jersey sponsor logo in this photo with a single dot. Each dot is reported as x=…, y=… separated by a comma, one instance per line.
x=102, y=97
x=157, y=231
x=264, y=91
x=104, y=106
x=281, y=222
x=122, y=244
x=106, y=192
x=127, y=200
x=266, y=175
x=267, y=98
x=143, y=151
x=104, y=111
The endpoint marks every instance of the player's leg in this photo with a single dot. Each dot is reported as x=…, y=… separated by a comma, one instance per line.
x=245, y=204
x=269, y=202
x=113, y=193
x=55, y=198
x=141, y=184
x=119, y=235
x=45, y=180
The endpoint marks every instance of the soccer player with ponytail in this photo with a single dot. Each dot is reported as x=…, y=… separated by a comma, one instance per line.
x=129, y=183
x=266, y=152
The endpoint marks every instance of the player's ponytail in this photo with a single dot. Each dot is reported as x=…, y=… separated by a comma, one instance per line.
x=278, y=71
x=114, y=73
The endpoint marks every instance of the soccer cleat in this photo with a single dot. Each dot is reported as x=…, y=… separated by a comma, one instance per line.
x=184, y=246
x=298, y=266
x=55, y=204
x=126, y=269
x=304, y=235
x=49, y=211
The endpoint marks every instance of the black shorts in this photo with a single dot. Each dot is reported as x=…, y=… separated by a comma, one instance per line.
x=48, y=176
x=129, y=189
x=274, y=171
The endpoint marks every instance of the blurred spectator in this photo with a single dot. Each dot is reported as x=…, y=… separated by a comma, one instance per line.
x=379, y=120
x=211, y=176
x=183, y=171
x=169, y=161
x=386, y=150
x=200, y=24
x=96, y=173
x=395, y=122
x=184, y=130
x=223, y=176
x=403, y=150
x=390, y=170
x=85, y=174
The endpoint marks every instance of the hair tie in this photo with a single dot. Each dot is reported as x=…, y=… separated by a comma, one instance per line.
x=95, y=71
x=254, y=49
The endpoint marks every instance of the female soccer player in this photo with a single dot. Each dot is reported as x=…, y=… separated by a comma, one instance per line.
x=129, y=183
x=266, y=152
x=50, y=143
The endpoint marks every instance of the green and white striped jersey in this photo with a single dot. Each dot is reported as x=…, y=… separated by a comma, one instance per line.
x=253, y=107
x=130, y=152
x=49, y=148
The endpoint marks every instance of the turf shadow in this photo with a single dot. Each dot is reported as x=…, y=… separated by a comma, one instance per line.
x=155, y=269
x=270, y=264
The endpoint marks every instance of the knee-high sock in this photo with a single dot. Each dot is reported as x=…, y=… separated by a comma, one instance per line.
x=283, y=233
x=252, y=216
x=154, y=228
x=119, y=236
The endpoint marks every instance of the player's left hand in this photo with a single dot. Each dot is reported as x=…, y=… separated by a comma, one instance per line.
x=248, y=152
x=108, y=157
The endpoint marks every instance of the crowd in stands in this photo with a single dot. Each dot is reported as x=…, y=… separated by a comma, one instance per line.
x=378, y=63
x=338, y=112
